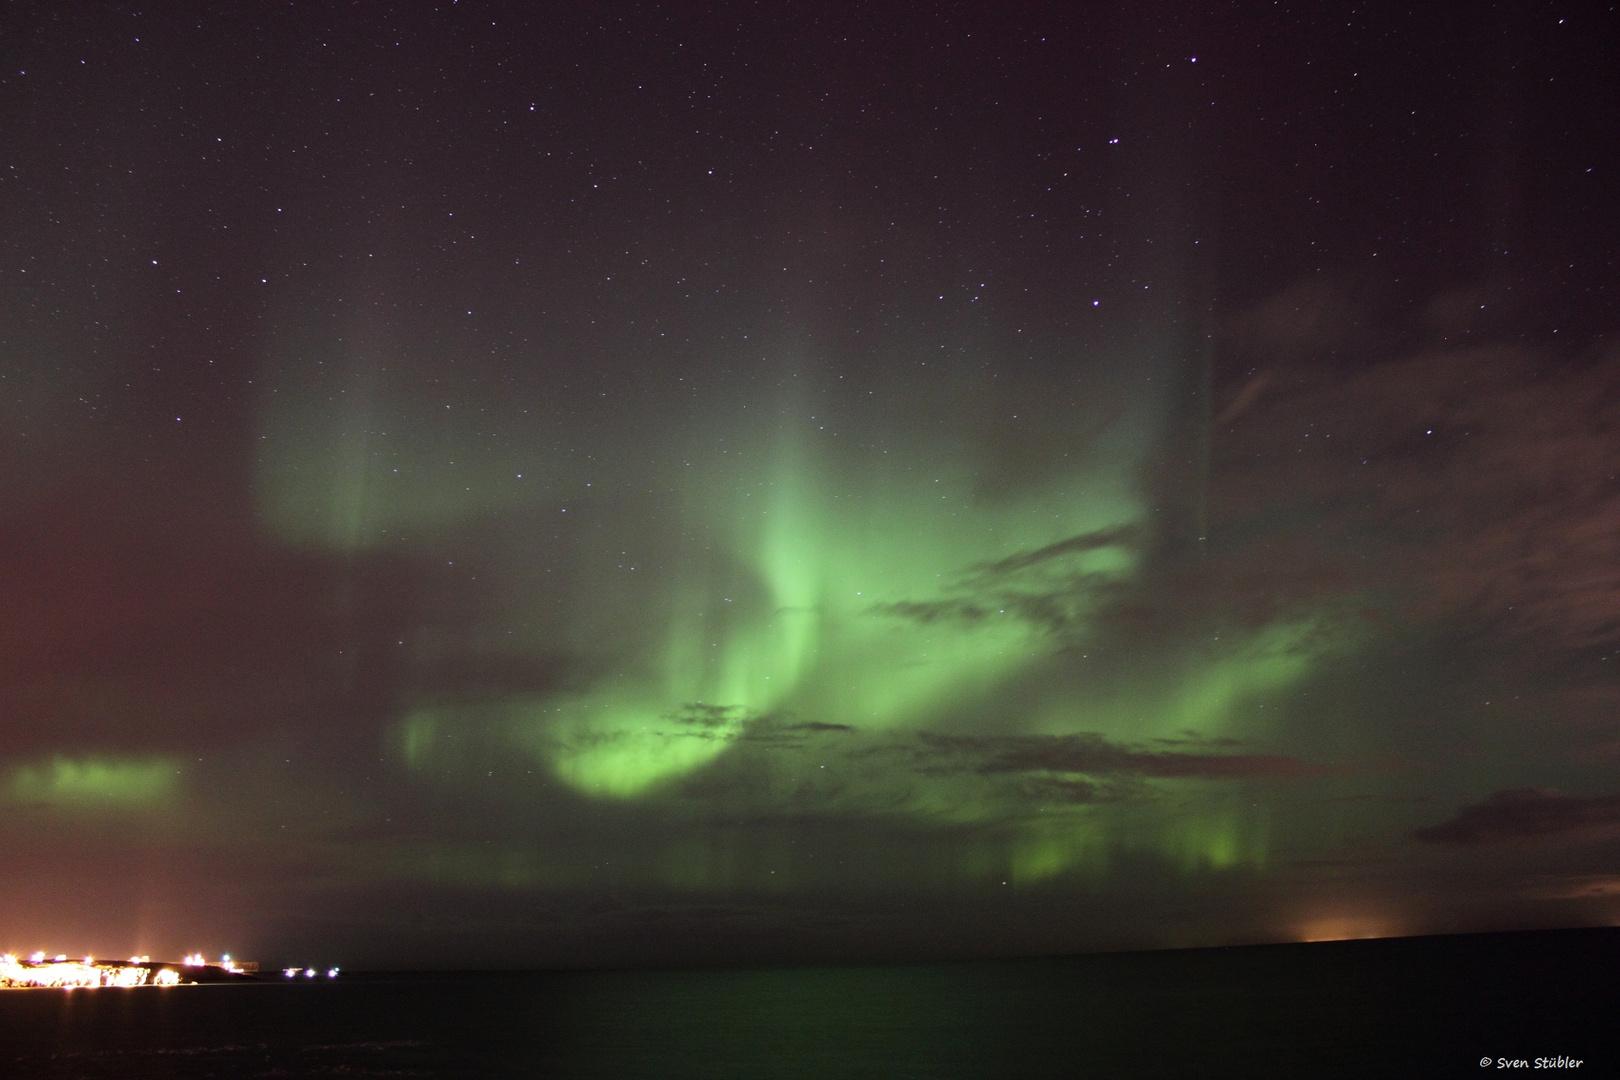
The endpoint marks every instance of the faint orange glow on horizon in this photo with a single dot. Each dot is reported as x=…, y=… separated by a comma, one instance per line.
x=1347, y=928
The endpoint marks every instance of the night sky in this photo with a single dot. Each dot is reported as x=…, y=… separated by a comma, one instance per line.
x=628, y=483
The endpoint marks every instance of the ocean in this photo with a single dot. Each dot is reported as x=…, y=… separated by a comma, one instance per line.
x=1462, y=1005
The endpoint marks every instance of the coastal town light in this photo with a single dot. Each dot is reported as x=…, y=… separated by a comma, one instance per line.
x=61, y=973
x=69, y=975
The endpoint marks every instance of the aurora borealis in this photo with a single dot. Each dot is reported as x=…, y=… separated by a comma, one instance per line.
x=613, y=484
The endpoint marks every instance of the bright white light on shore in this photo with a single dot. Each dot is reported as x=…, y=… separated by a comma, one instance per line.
x=292, y=972
x=332, y=974
x=167, y=977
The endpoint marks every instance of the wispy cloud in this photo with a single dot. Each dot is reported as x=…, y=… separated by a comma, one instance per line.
x=1524, y=814
x=1479, y=483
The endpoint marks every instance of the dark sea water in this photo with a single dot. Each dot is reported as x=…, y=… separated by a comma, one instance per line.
x=1420, y=1007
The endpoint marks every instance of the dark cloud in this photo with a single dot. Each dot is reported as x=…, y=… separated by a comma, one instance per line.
x=785, y=730
x=1093, y=754
x=1526, y=814
x=734, y=724
x=697, y=714
x=1063, y=789
x=1121, y=536
x=928, y=611
x=1045, y=587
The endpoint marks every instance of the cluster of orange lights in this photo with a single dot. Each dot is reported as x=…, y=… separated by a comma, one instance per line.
x=64, y=973
x=60, y=972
